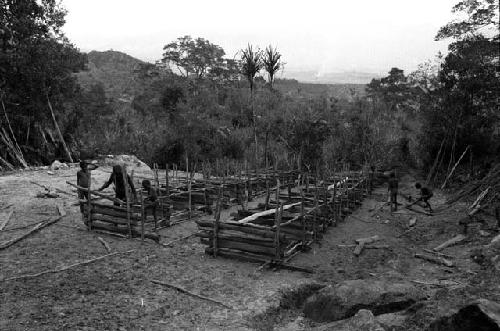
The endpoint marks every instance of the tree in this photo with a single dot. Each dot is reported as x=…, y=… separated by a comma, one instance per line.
x=272, y=63
x=250, y=67
x=36, y=66
x=466, y=103
x=194, y=57
x=481, y=17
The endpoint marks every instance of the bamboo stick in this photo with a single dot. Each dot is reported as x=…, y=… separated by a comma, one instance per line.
x=183, y=290
x=37, y=227
x=6, y=220
x=66, y=267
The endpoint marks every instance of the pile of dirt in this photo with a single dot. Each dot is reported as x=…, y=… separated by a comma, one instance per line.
x=131, y=162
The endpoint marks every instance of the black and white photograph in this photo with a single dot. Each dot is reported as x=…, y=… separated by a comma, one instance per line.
x=267, y=165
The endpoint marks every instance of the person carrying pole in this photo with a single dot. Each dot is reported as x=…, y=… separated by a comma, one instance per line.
x=425, y=195
x=117, y=179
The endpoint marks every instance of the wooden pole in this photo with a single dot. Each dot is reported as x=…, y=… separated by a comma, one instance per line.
x=143, y=214
x=454, y=167
x=89, y=203
x=217, y=219
x=279, y=213
x=302, y=215
x=59, y=130
x=127, y=197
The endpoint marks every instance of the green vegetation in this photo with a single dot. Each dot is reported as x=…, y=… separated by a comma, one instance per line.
x=194, y=102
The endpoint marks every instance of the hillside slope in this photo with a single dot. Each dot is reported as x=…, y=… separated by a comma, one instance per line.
x=115, y=71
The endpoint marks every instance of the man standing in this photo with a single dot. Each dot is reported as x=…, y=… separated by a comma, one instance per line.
x=393, y=191
x=118, y=179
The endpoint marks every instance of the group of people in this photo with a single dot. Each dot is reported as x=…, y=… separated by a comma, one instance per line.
x=424, y=195
x=119, y=178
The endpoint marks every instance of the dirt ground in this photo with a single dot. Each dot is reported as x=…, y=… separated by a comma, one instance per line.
x=116, y=293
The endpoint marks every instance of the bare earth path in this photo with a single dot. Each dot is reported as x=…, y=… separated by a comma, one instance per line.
x=117, y=293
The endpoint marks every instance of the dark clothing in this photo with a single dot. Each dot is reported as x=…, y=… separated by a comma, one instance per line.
x=83, y=178
x=120, y=190
x=425, y=193
x=152, y=196
x=393, y=190
x=393, y=185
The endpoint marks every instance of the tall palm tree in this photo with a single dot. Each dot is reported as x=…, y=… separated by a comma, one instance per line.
x=251, y=65
x=272, y=63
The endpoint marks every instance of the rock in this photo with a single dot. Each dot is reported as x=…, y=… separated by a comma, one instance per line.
x=131, y=162
x=297, y=325
x=483, y=233
x=362, y=321
x=56, y=165
x=391, y=321
x=481, y=315
x=343, y=300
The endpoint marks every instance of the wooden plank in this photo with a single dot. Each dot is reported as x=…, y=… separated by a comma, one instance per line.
x=266, y=212
x=113, y=219
x=453, y=241
x=246, y=247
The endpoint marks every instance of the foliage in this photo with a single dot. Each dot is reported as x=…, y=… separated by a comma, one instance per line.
x=36, y=65
x=251, y=64
x=272, y=63
x=480, y=16
x=199, y=57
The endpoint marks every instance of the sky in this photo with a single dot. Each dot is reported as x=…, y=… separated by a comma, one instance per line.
x=314, y=35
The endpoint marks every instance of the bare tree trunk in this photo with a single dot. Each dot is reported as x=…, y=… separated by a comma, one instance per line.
x=10, y=128
x=59, y=130
x=254, y=129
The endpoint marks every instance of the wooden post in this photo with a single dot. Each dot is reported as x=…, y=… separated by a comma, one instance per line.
x=217, y=219
x=187, y=168
x=302, y=215
x=278, y=215
x=167, y=191
x=315, y=225
x=143, y=214
x=127, y=197
x=307, y=182
x=268, y=194
x=277, y=191
x=189, y=194
x=89, y=203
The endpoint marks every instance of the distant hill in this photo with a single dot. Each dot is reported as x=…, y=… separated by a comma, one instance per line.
x=115, y=71
x=348, y=77
x=292, y=87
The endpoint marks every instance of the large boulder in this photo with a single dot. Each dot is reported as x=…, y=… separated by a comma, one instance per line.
x=343, y=300
x=56, y=165
x=362, y=321
x=481, y=315
x=131, y=162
